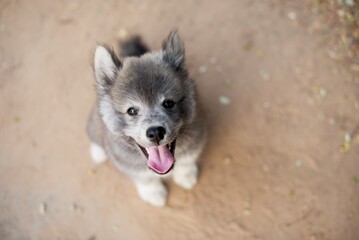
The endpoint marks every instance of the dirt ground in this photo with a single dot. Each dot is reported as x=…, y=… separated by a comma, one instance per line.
x=275, y=166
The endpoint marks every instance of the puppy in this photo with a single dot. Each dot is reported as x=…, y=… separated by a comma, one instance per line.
x=147, y=119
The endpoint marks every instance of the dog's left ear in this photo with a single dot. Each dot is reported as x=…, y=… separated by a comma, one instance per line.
x=173, y=50
x=106, y=66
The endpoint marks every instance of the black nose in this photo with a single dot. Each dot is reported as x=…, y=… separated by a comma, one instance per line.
x=156, y=134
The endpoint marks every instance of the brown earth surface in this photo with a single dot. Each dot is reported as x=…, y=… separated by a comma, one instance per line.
x=273, y=168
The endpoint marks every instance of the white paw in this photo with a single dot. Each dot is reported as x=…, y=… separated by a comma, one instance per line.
x=186, y=175
x=98, y=154
x=154, y=193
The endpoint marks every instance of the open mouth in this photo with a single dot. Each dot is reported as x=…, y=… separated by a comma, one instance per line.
x=160, y=158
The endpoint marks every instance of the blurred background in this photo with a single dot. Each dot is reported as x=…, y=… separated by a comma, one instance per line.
x=279, y=83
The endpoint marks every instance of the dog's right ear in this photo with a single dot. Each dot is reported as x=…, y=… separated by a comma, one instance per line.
x=173, y=50
x=106, y=66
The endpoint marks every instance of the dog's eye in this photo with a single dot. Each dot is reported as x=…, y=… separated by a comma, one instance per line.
x=132, y=111
x=168, y=104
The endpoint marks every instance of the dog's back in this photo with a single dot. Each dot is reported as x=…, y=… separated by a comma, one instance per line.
x=133, y=47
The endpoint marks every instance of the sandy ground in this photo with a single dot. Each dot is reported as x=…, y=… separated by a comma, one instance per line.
x=273, y=168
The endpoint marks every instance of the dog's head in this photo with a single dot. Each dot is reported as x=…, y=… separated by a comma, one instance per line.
x=147, y=99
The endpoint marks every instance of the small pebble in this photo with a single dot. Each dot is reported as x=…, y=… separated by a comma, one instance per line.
x=322, y=92
x=332, y=54
x=17, y=119
x=90, y=172
x=247, y=212
x=341, y=13
x=292, y=193
x=202, y=69
x=355, y=180
x=114, y=228
x=292, y=15
x=224, y=100
x=298, y=163
x=248, y=46
x=265, y=75
x=349, y=3
x=345, y=147
x=347, y=137
x=168, y=209
x=74, y=207
x=265, y=168
x=66, y=20
x=42, y=208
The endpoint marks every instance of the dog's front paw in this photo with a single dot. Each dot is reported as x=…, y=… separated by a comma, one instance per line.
x=98, y=154
x=186, y=175
x=154, y=193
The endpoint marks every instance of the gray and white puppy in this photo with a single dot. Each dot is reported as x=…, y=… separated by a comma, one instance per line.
x=147, y=119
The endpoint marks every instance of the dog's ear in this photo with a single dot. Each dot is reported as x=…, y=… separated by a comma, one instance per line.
x=173, y=50
x=106, y=66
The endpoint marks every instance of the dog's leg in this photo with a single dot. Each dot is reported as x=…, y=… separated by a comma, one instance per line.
x=98, y=154
x=185, y=175
x=185, y=172
x=152, y=191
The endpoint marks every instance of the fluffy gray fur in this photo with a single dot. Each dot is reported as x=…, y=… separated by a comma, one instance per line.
x=144, y=82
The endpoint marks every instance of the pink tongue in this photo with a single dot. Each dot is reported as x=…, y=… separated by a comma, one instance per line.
x=160, y=159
